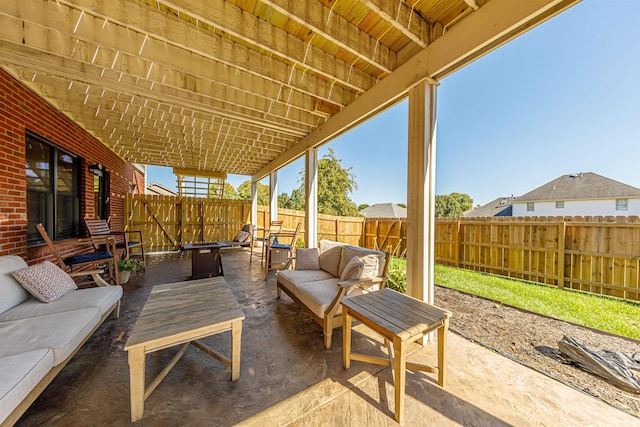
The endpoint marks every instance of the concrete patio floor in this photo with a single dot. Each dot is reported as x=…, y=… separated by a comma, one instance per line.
x=288, y=378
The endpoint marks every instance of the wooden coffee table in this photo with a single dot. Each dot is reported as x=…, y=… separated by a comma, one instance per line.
x=181, y=313
x=401, y=320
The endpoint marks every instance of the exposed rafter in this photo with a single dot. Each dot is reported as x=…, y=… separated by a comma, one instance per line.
x=241, y=86
x=403, y=18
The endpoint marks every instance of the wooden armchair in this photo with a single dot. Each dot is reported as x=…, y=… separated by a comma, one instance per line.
x=267, y=233
x=283, y=244
x=100, y=228
x=85, y=260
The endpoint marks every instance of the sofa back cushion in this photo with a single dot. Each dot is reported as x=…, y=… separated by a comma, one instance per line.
x=330, y=255
x=373, y=260
x=11, y=293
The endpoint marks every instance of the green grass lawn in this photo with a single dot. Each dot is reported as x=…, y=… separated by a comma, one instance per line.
x=599, y=312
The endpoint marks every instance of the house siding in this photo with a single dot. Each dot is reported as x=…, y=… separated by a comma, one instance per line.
x=604, y=207
x=22, y=110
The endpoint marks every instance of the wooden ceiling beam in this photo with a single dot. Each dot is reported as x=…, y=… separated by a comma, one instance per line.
x=219, y=56
x=465, y=42
x=228, y=18
x=403, y=18
x=336, y=29
x=289, y=105
x=49, y=64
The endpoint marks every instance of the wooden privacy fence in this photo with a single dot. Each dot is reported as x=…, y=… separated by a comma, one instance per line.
x=339, y=228
x=593, y=254
x=168, y=222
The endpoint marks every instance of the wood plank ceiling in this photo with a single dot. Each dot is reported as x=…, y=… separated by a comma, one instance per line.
x=213, y=85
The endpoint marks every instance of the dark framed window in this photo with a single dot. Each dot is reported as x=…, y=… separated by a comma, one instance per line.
x=100, y=190
x=53, y=190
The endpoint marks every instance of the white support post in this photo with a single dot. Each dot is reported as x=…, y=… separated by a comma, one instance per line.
x=311, y=199
x=273, y=196
x=421, y=191
x=254, y=203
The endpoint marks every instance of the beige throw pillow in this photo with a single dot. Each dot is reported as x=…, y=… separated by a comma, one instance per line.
x=353, y=269
x=307, y=259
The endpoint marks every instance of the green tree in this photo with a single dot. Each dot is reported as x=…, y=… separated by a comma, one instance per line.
x=363, y=206
x=402, y=205
x=283, y=200
x=453, y=205
x=335, y=184
x=244, y=192
x=229, y=191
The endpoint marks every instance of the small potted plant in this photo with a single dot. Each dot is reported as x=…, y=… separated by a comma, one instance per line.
x=127, y=266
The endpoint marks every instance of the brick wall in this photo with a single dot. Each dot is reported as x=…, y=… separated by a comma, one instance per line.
x=21, y=110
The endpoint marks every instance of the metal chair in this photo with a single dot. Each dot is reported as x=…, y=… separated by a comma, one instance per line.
x=85, y=260
x=276, y=246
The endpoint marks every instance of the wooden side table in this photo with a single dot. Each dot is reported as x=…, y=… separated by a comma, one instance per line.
x=401, y=320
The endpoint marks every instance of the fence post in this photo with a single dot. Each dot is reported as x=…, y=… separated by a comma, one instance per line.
x=458, y=244
x=561, y=248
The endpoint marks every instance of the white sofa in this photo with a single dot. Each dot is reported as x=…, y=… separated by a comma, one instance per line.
x=38, y=339
x=319, y=292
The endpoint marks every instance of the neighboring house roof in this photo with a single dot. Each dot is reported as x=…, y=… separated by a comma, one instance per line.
x=160, y=190
x=580, y=186
x=502, y=206
x=384, y=210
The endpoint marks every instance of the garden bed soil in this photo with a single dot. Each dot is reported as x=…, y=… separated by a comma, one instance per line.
x=532, y=340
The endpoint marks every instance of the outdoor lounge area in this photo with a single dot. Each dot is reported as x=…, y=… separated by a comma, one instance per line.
x=288, y=378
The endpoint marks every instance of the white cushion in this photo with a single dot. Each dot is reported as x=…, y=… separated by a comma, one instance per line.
x=317, y=296
x=11, y=293
x=291, y=278
x=102, y=298
x=61, y=332
x=307, y=259
x=373, y=260
x=20, y=374
x=45, y=281
x=330, y=254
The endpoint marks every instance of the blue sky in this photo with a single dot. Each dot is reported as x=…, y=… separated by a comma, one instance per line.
x=563, y=98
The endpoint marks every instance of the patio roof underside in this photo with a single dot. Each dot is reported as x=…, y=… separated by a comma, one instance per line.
x=242, y=86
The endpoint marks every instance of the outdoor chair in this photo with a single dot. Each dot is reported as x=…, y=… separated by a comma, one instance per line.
x=280, y=247
x=100, y=228
x=244, y=239
x=91, y=260
x=274, y=227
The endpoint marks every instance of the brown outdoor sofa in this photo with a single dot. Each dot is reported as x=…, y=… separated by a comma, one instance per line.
x=37, y=339
x=320, y=291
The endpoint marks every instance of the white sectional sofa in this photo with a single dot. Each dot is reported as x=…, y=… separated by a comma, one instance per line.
x=37, y=339
x=319, y=291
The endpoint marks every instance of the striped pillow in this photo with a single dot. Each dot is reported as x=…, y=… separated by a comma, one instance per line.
x=353, y=269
